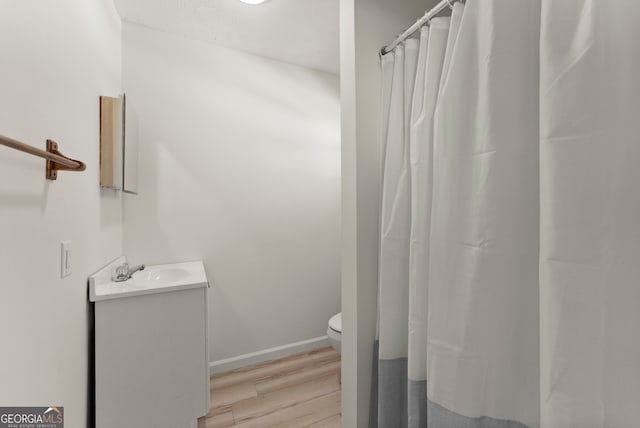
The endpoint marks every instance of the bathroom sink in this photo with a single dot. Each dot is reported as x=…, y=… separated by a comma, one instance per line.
x=149, y=336
x=162, y=274
x=153, y=279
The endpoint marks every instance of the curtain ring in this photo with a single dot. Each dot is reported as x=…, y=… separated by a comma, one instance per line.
x=451, y=3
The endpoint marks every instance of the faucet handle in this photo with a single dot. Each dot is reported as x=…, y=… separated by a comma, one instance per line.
x=122, y=270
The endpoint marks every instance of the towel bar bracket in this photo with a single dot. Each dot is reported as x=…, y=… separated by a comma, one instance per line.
x=56, y=161
x=53, y=167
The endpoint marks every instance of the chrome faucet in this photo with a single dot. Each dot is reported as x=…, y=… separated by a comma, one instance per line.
x=124, y=272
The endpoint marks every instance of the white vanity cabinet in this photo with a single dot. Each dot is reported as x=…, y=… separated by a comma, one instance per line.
x=151, y=351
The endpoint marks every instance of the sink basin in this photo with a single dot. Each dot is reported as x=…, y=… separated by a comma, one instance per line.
x=158, y=275
x=153, y=279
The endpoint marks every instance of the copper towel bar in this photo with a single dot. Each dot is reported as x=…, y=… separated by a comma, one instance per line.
x=56, y=161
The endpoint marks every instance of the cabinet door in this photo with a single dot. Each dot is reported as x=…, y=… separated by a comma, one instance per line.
x=151, y=360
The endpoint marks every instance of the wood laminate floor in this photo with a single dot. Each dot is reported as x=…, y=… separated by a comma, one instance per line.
x=299, y=391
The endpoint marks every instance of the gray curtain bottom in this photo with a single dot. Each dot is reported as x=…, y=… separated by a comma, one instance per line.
x=397, y=402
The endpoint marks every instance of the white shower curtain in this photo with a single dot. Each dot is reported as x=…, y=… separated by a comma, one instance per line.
x=510, y=226
x=590, y=213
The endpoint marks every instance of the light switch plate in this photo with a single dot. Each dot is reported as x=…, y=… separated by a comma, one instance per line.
x=65, y=259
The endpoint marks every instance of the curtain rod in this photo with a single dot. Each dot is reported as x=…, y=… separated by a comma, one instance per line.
x=419, y=23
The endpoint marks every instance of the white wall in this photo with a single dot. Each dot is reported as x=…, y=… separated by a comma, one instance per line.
x=240, y=167
x=57, y=58
x=365, y=26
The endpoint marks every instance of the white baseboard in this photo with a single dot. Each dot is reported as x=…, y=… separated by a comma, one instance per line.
x=227, y=364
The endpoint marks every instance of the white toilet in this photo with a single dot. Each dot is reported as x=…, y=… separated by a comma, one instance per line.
x=334, y=331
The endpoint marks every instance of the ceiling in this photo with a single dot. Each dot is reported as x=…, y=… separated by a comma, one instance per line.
x=303, y=32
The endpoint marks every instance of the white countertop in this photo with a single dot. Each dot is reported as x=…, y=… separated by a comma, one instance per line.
x=153, y=279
